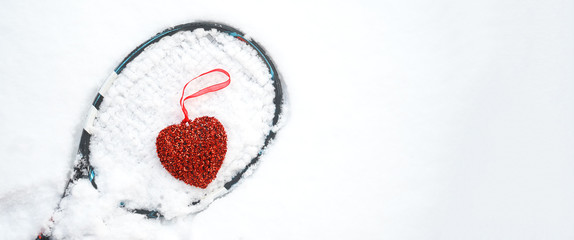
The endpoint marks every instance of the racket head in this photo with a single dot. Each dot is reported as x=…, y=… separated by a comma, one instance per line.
x=117, y=150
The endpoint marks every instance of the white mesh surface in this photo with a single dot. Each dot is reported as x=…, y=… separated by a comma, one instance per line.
x=144, y=99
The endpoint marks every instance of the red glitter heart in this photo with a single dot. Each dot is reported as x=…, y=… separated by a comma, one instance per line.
x=193, y=151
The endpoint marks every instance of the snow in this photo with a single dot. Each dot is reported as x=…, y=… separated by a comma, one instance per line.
x=408, y=120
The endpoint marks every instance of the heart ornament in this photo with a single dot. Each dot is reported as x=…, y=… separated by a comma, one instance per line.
x=193, y=151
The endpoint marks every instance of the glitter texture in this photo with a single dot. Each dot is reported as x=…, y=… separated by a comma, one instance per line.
x=193, y=151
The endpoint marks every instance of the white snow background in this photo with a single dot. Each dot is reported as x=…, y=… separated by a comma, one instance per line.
x=408, y=120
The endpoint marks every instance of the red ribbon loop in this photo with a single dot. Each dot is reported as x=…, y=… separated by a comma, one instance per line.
x=205, y=90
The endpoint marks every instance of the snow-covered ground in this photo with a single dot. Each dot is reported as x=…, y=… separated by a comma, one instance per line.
x=408, y=119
